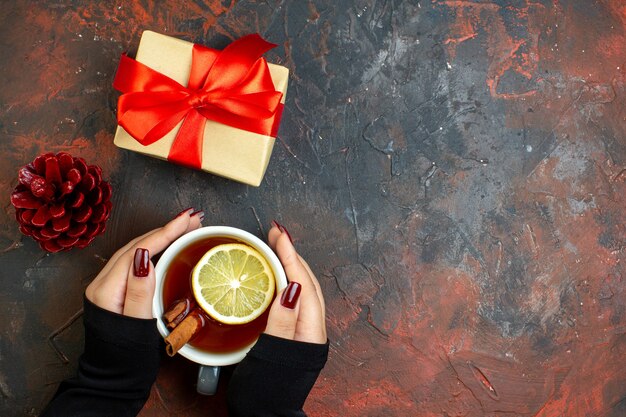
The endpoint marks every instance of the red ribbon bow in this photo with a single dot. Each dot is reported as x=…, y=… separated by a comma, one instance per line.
x=233, y=87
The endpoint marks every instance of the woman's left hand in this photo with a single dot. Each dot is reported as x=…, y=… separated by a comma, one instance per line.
x=126, y=283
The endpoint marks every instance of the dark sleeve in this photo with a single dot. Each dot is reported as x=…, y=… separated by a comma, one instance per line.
x=275, y=378
x=116, y=371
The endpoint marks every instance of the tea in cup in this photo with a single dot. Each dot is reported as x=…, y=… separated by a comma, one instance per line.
x=178, y=302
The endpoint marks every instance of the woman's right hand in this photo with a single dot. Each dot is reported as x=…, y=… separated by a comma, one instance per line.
x=298, y=312
x=286, y=370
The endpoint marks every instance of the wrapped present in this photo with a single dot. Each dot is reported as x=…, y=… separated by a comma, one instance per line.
x=218, y=111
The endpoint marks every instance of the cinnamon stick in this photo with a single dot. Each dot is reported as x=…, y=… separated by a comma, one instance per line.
x=177, y=313
x=183, y=332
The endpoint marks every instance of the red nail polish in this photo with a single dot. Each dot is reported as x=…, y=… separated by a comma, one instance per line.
x=141, y=264
x=282, y=229
x=198, y=213
x=290, y=295
x=183, y=212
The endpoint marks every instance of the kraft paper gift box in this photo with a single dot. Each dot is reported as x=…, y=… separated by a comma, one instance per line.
x=241, y=154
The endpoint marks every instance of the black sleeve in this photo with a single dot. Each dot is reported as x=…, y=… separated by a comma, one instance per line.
x=116, y=371
x=275, y=378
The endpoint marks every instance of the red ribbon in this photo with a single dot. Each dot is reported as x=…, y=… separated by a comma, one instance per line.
x=233, y=87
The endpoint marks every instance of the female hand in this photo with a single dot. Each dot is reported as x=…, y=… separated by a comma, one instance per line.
x=126, y=283
x=298, y=312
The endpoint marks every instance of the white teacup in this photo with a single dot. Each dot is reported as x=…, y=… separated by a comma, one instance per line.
x=208, y=374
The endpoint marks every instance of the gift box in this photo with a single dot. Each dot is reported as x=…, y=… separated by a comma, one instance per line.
x=218, y=111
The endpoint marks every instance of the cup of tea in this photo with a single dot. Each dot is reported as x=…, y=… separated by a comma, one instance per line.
x=214, y=343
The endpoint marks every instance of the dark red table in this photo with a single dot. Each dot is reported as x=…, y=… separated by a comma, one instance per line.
x=454, y=171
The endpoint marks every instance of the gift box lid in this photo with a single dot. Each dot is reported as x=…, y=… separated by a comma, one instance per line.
x=227, y=151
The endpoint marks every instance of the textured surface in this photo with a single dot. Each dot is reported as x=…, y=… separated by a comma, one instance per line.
x=454, y=171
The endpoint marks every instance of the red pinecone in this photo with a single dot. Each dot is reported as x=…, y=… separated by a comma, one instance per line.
x=61, y=202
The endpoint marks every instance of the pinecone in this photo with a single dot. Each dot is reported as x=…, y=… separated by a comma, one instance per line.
x=61, y=202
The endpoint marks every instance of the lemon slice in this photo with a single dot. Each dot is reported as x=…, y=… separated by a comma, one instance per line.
x=233, y=283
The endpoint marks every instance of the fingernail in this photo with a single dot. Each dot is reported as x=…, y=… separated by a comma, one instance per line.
x=290, y=295
x=183, y=212
x=198, y=213
x=141, y=264
x=282, y=229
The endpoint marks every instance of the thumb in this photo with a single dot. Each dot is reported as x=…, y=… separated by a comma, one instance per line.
x=283, y=315
x=140, y=286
